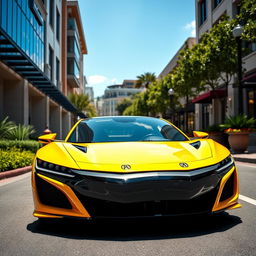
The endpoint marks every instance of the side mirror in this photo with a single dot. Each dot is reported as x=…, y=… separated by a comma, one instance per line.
x=47, y=138
x=201, y=135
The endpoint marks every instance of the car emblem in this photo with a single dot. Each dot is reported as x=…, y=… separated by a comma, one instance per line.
x=126, y=167
x=184, y=165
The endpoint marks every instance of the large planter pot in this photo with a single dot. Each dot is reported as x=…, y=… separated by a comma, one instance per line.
x=220, y=137
x=239, y=141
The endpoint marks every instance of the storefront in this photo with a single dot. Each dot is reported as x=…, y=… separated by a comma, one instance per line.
x=249, y=83
x=213, y=107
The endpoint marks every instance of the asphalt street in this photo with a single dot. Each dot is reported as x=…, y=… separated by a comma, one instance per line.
x=231, y=233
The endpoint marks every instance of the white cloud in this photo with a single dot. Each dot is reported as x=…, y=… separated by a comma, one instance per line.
x=97, y=79
x=191, y=27
x=100, y=83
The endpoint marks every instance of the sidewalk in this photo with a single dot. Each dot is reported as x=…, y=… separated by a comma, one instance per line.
x=248, y=158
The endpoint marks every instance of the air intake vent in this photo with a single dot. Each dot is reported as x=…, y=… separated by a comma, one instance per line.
x=84, y=149
x=196, y=144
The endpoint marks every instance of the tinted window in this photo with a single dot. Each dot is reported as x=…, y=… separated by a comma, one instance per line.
x=122, y=129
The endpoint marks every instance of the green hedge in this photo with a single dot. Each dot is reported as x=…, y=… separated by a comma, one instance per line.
x=15, y=158
x=28, y=145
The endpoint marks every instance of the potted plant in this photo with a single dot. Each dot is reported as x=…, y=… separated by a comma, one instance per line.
x=216, y=132
x=238, y=128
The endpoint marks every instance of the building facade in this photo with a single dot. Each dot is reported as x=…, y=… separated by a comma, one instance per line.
x=33, y=63
x=210, y=109
x=183, y=117
x=115, y=94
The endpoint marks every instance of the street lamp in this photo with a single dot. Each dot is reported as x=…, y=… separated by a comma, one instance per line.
x=171, y=94
x=237, y=32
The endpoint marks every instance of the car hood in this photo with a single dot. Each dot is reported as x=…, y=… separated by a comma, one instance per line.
x=141, y=156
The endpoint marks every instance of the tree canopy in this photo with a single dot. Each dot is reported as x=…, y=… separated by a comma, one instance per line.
x=210, y=63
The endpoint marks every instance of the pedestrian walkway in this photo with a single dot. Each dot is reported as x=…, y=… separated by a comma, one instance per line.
x=248, y=158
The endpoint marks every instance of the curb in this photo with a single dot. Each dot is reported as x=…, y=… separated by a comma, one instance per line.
x=245, y=160
x=15, y=172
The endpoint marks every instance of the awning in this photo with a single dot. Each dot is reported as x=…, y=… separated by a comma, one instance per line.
x=249, y=80
x=15, y=58
x=208, y=96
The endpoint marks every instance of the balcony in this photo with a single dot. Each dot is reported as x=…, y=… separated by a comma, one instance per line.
x=73, y=73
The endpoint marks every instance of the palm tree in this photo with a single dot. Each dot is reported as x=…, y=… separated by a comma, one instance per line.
x=145, y=79
x=82, y=103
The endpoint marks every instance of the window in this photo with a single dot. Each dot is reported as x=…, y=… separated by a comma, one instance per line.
x=51, y=61
x=36, y=12
x=202, y=12
x=57, y=71
x=123, y=129
x=76, y=70
x=57, y=25
x=216, y=3
x=3, y=14
x=51, y=13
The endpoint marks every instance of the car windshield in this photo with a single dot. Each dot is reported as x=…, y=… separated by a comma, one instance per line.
x=124, y=129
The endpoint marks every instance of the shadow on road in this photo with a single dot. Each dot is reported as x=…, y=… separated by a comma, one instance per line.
x=136, y=229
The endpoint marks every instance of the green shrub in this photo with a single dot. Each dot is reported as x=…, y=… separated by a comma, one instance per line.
x=15, y=158
x=20, y=132
x=29, y=145
x=5, y=127
x=239, y=122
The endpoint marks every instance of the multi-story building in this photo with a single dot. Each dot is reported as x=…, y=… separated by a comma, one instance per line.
x=183, y=117
x=116, y=93
x=33, y=62
x=89, y=91
x=211, y=108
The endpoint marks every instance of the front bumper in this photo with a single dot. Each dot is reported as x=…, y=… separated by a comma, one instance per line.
x=99, y=194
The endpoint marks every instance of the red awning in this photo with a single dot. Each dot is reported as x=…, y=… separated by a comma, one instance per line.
x=250, y=78
x=208, y=96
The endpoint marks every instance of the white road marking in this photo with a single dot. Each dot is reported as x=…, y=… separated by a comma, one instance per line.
x=247, y=199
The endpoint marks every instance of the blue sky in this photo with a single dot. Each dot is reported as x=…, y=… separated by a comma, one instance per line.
x=126, y=38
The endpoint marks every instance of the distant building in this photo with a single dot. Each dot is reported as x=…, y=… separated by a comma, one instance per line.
x=37, y=69
x=89, y=91
x=116, y=93
x=184, y=118
x=173, y=62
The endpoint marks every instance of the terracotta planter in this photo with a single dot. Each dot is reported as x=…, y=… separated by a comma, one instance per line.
x=220, y=137
x=239, y=141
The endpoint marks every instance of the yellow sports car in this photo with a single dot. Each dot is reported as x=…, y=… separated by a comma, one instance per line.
x=131, y=166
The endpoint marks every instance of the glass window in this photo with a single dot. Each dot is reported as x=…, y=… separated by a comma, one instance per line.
x=57, y=71
x=123, y=129
x=14, y=22
x=3, y=15
x=51, y=13
x=76, y=70
x=51, y=61
x=76, y=50
x=9, y=18
x=216, y=3
x=202, y=12
x=23, y=38
x=57, y=24
x=19, y=26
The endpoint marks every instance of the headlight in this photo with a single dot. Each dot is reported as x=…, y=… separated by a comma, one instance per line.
x=225, y=163
x=53, y=168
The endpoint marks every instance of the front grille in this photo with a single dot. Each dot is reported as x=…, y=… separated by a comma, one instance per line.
x=49, y=195
x=103, y=208
x=228, y=190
